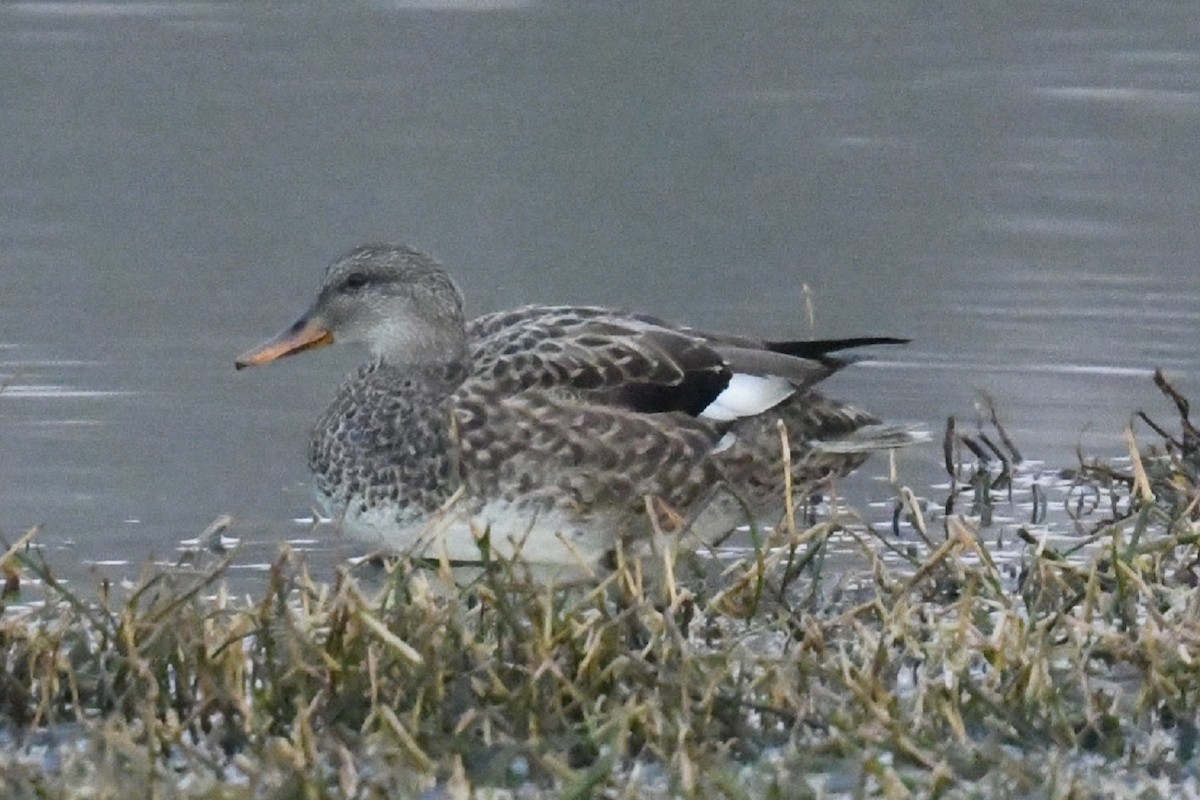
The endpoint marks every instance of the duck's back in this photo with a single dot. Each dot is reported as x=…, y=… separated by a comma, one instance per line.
x=620, y=406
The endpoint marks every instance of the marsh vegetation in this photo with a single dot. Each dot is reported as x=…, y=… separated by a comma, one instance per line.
x=925, y=665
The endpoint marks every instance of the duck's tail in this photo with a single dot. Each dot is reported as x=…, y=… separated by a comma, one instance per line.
x=869, y=438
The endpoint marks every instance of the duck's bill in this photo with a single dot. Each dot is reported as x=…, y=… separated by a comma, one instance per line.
x=304, y=335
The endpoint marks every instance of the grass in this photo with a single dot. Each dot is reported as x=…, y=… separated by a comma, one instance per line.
x=929, y=667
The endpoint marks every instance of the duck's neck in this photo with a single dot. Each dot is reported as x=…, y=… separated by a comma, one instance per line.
x=433, y=353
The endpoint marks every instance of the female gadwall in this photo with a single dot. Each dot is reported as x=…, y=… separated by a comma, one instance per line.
x=556, y=431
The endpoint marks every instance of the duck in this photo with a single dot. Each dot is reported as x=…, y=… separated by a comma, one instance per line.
x=553, y=433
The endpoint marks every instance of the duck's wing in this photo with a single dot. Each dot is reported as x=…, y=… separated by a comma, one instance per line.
x=643, y=364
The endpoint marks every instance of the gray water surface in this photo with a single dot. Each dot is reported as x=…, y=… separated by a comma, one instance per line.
x=1014, y=187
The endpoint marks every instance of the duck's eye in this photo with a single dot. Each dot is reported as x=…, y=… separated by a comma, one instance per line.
x=355, y=281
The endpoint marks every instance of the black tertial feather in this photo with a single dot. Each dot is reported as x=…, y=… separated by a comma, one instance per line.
x=818, y=349
x=692, y=395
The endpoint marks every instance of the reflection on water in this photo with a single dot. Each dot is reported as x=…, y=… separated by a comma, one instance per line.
x=1017, y=193
x=156, y=10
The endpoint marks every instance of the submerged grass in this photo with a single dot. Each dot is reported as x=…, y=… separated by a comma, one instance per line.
x=927, y=671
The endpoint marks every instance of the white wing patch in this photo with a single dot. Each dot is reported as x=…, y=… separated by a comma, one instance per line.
x=747, y=395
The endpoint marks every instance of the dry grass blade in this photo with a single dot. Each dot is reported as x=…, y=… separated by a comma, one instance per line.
x=1141, y=485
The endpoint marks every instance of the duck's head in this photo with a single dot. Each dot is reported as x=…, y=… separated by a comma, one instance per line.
x=397, y=301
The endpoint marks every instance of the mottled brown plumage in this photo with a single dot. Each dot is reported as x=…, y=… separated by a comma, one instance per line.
x=549, y=427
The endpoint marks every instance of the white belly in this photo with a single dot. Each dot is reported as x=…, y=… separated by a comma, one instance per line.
x=504, y=529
